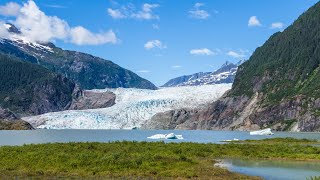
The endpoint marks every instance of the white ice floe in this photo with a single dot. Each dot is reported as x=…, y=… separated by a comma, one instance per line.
x=166, y=136
x=133, y=108
x=262, y=132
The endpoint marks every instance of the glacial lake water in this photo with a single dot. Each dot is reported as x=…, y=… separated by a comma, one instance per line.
x=51, y=136
x=265, y=169
x=274, y=170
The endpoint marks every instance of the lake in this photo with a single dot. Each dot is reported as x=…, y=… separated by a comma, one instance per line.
x=51, y=136
x=275, y=169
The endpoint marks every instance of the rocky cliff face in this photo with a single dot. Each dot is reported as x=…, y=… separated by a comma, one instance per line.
x=92, y=100
x=278, y=87
x=8, y=121
x=242, y=113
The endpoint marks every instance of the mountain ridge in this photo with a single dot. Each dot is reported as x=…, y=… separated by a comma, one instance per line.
x=225, y=74
x=88, y=71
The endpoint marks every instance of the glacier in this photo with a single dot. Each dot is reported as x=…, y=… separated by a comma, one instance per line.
x=133, y=108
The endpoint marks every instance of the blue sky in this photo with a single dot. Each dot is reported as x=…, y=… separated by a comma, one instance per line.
x=162, y=39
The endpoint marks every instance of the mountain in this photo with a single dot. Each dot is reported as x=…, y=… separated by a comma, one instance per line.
x=225, y=74
x=27, y=88
x=88, y=71
x=278, y=87
x=133, y=108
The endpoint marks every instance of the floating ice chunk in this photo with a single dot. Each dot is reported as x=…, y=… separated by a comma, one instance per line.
x=262, y=132
x=166, y=136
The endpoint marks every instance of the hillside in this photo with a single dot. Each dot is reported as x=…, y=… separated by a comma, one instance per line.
x=225, y=74
x=278, y=87
x=27, y=88
x=88, y=71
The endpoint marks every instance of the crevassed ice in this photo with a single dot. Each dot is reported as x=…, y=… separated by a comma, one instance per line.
x=132, y=109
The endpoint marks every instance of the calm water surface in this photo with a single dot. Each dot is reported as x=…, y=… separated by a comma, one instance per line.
x=51, y=136
x=274, y=170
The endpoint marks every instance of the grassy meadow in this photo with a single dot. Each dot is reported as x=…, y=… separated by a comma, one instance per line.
x=145, y=160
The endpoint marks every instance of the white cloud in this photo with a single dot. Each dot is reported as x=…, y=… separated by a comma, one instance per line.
x=277, y=25
x=154, y=44
x=36, y=26
x=116, y=13
x=240, y=54
x=176, y=66
x=254, y=21
x=10, y=9
x=129, y=11
x=82, y=36
x=198, y=13
x=203, y=51
x=143, y=71
x=3, y=30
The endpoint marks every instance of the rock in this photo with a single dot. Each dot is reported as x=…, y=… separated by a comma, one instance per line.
x=92, y=100
x=9, y=121
x=15, y=125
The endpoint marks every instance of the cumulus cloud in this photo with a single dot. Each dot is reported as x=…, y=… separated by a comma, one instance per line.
x=198, y=13
x=116, y=13
x=277, y=25
x=10, y=9
x=146, y=12
x=82, y=36
x=203, y=52
x=237, y=55
x=36, y=26
x=254, y=21
x=129, y=11
x=154, y=44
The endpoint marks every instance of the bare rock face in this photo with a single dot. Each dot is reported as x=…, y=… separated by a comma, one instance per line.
x=242, y=113
x=9, y=121
x=92, y=100
x=6, y=114
x=170, y=119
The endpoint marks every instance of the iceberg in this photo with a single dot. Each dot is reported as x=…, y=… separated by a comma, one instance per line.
x=166, y=136
x=262, y=132
x=230, y=140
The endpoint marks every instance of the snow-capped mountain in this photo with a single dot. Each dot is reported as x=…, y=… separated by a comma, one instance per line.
x=133, y=108
x=87, y=71
x=225, y=74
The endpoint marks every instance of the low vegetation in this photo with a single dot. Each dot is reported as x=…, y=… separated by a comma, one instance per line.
x=142, y=159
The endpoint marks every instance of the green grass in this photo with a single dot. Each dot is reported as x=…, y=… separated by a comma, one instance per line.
x=141, y=159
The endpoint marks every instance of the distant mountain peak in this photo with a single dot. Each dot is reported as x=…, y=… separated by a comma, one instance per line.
x=225, y=74
x=226, y=63
x=12, y=28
